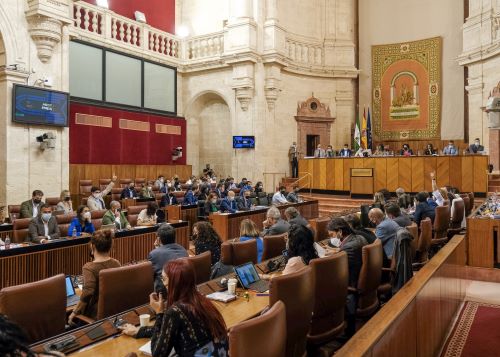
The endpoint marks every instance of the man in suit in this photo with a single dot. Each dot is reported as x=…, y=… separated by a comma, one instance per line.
x=386, y=230
x=191, y=196
x=394, y=212
x=129, y=191
x=220, y=190
x=43, y=227
x=274, y=224
x=293, y=217
x=95, y=202
x=329, y=152
x=293, y=154
x=245, y=202
x=423, y=209
x=293, y=196
x=169, y=198
x=228, y=204
x=160, y=183
x=31, y=208
x=476, y=147
x=345, y=152
x=115, y=216
x=319, y=152
x=166, y=249
x=451, y=149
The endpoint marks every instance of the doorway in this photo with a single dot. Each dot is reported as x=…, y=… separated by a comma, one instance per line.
x=312, y=143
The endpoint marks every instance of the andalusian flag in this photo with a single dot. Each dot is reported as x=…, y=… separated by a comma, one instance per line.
x=357, y=135
x=369, y=130
x=364, y=138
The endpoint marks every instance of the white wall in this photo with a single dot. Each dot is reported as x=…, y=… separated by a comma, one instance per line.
x=393, y=21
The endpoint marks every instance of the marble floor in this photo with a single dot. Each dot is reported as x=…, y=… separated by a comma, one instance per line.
x=482, y=291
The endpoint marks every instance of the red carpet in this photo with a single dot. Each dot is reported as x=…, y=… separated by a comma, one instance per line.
x=476, y=332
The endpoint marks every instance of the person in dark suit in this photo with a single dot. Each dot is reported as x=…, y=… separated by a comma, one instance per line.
x=394, y=212
x=293, y=217
x=357, y=228
x=43, y=227
x=476, y=147
x=31, y=208
x=245, y=202
x=166, y=249
x=169, y=198
x=406, y=151
x=220, y=191
x=345, y=152
x=429, y=150
x=228, y=204
x=191, y=196
x=423, y=209
x=129, y=191
x=211, y=204
x=274, y=224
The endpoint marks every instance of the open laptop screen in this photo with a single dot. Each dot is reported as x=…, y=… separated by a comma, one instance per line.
x=247, y=274
x=70, y=290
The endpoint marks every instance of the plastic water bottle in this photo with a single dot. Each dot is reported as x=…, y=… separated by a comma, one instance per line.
x=73, y=234
x=7, y=242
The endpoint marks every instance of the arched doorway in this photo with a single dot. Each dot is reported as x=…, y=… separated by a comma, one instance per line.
x=209, y=134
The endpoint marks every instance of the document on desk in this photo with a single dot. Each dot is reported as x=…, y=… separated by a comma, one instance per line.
x=222, y=296
x=146, y=350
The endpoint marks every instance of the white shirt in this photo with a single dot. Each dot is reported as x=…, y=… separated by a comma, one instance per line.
x=438, y=197
x=35, y=209
x=46, y=228
x=278, y=197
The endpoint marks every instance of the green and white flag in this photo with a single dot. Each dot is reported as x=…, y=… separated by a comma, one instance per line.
x=357, y=134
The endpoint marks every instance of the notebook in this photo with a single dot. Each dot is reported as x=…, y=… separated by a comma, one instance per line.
x=250, y=279
x=71, y=297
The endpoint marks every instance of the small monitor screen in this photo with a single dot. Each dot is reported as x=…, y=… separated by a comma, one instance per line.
x=243, y=142
x=247, y=274
x=39, y=106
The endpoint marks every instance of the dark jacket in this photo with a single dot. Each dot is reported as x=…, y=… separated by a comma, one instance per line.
x=168, y=200
x=210, y=207
x=422, y=211
x=36, y=229
x=228, y=206
x=128, y=193
x=367, y=234
x=403, y=220
x=299, y=220
x=353, y=245
x=403, y=259
x=27, y=209
x=190, y=198
x=244, y=204
x=279, y=227
x=161, y=255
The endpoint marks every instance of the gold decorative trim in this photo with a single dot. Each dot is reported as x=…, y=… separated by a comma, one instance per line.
x=128, y=124
x=168, y=129
x=93, y=120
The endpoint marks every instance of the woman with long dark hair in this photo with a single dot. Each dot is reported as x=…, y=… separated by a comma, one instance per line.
x=206, y=238
x=300, y=248
x=82, y=222
x=188, y=323
x=148, y=217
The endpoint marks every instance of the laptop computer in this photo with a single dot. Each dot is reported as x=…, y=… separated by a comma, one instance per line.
x=250, y=279
x=71, y=297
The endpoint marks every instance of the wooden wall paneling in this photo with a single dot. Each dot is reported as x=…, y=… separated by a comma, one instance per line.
x=141, y=171
x=480, y=176
x=339, y=174
x=76, y=173
x=480, y=242
x=443, y=171
x=417, y=174
x=184, y=171
x=357, y=163
x=428, y=305
x=348, y=164
x=330, y=174
x=323, y=173
x=455, y=172
x=103, y=172
x=392, y=182
x=430, y=165
x=467, y=174
x=317, y=172
x=380, y=174
x=404, y=173
x=369, y=163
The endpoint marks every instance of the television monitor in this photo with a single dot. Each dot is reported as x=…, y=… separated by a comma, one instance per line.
x=39, y=106
x=243, y=142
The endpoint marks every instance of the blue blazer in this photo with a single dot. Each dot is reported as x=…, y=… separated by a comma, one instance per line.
x=127, y=193
x=386, y=231
x=190, y=199
x=228, y=206
x=165, y=201
x=345, y=153
x=245, y=188
x=75, y=223
x=244, y=204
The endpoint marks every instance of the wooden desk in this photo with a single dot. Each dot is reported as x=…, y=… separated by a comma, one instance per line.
x=227, y=225
x=467, y=173
x=184, y=213
x=67, y=256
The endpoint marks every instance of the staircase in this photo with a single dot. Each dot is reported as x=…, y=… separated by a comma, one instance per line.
x=493, y=182
x=329, y=204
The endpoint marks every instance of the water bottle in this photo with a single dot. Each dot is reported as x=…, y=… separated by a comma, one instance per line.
x=73, y=234
x=7, y=242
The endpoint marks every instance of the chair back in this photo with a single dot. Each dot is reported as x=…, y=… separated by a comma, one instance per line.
x=413, y=229
x=98, y=214
x=273, y=246
x=424, y=240
x=135, y=209
x=97, y=223
x=140, y=181
x=202, y=266
x=457, y=214
x=296, y=290
x=132, y=219
x=468, y=207
x=331, y=279
x=244, y=252
x=471, y=199
x=116, y=193
x=369, y=278
x=124, y=288
x=65, y=218
x=103, y=183
x=124, y=183
x=84, y=187
x=39, y=308
x=266, y=332
x=20, y=227
x=14, y=212
x=226, y=253
x=319, y=226
x=441, y=222
x=52, y=202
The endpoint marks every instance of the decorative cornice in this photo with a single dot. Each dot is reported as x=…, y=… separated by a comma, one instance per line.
x=46, y=33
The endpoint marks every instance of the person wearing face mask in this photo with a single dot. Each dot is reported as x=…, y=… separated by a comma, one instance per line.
x=429, y=150
x=148, y=217
x=211, y=204
x=386, y=230
x=115, y=216
x=100, y=246
x=191, y=196
x=274, y=224
x=82, y=222
x=147, y=190
x=220, y=191
x=279, y=197
x=476, y=147
x=228, y=204
x=293, y=196
x=65, y=205
x=451, y=149
x=345, y=152
x=160, y=183
x=259, y=187
x=95, y=202
x=245, y=201
x=129, y=191
x=406, y=151
x=319, y=152
x=169, y=199
x=345, y=239
x=43, y=227
x=31, y=208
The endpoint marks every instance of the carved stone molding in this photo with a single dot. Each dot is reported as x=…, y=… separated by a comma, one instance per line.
x=272, y=84
x=46, y=32
x=244, y=96
x=243, y=83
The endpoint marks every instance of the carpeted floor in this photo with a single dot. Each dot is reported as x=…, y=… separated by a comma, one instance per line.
x=476, y=332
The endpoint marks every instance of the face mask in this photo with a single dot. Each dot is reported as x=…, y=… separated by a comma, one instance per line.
x=46, y=216
x=214, y=201
x=131, y=187
x=67, y=198
x=96, y=195
x=450, y=145
x=37, y=200
x=150, y=188
x=231, y=198
x=283, y=192
x=86, y=215
x=162, y=180
x=335, y=242
x=476, y=143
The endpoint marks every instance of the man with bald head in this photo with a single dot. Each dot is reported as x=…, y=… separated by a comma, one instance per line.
x=386, y=229
x=115, y=216
x=228, y=204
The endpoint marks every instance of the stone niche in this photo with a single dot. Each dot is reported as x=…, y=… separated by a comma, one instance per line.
x=314, y=122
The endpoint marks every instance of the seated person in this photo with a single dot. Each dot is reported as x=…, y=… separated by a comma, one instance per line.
x=147, y=217
x=319, y=152
x=386, y=230
x=206, y=238
x=65, y=205
x=189, y=326
x=362, y=152
x=191, y=180
x=191, y=196
x=220, y=191
x=423, y=209
x=244, y=202
x=31, y=208
x=259, y=187
x=357, y=228
x=211, y=204
x=100, y=246
x=248, y=231
x=169, y=198
x=203, y=192
x=451, y=149
x=394, y=212
x=245, y=185
x=440, y=195
x=274, y=224
x=82, y=223
x=329, y=151
x=293, y=196
x=279, y=197
x=406, y=151
x=293, y=217
x=378, y=201
x=166, y=249
x=476, y=147
x=176, y=184
x=345, y=152
x=160, y=183
x=115, y=216
x=429, y=150
x=380, y=151
x=404, y=199
x=43, y=227
x=147, y=190
x=129, y=191
x=228, y=204
x=95, y=201
x=300, y=249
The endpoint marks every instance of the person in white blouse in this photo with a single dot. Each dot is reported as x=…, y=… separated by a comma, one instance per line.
x=147, y=217
x=279, y=197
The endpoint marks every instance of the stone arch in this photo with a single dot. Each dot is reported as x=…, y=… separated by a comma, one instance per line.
x=209, y=133
x=7, y=38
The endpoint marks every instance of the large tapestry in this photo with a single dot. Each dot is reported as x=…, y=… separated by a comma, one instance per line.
x=406, y=80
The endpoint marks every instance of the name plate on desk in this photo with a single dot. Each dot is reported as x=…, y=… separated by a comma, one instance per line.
x=361, y=172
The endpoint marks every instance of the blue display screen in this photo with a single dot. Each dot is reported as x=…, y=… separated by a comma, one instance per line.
x=39, y=106
x=247, y=274
x=243, y=142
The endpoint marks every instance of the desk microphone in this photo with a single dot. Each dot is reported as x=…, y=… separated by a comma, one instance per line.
x=61, y=344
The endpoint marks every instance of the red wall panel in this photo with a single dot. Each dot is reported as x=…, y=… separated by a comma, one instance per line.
x=100, y=145
x=159, y=13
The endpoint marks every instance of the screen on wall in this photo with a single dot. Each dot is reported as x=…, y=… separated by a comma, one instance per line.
x=39, y=106
x=243, y=142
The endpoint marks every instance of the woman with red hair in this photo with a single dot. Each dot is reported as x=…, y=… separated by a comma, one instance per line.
x=189, y=323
